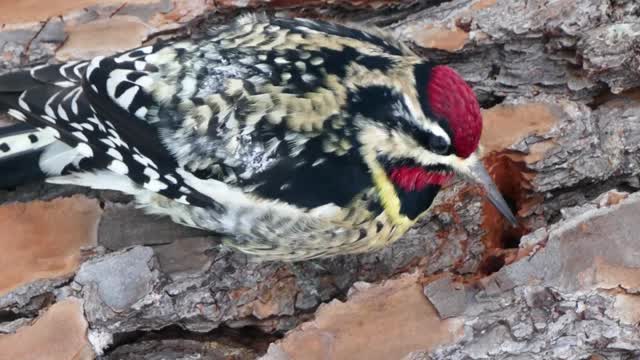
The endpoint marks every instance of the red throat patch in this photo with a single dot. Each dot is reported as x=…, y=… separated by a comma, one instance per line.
x=451, y=98
x=411, y=178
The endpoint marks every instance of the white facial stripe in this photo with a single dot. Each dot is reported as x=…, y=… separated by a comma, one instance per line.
x=435, y=129
x=425, y=123
x=455, y=162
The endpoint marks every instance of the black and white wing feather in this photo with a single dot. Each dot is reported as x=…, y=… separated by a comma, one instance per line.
x=63, y=102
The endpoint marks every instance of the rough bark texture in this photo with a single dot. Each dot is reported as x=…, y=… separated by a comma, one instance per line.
x=559, y=83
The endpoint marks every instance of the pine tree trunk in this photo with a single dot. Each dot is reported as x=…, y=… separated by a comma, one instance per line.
x=558, y=82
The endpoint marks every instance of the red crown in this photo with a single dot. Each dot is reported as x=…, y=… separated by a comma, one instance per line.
x=451, y=98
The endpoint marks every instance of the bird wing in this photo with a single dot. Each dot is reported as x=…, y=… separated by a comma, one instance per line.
x=55, y=101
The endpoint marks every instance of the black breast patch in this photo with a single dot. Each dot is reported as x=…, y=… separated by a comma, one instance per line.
x=414, y=203
x=314, y=179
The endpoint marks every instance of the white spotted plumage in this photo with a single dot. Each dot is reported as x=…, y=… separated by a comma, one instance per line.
x=118, y=167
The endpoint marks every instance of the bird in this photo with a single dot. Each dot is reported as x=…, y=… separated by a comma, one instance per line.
x=290, y=138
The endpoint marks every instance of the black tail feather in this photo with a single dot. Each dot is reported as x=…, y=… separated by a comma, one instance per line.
x=21, y=146
x=13, y=129
x=17, y=82
x=21, y=169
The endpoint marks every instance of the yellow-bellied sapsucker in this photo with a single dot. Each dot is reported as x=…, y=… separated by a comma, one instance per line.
x=291, y=138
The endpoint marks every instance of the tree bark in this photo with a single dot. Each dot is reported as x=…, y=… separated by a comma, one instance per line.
x=558, y=82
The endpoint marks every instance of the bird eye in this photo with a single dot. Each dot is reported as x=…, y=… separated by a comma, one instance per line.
x=438, y=145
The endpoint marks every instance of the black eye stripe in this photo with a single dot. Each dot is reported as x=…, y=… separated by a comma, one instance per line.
x=429, y=140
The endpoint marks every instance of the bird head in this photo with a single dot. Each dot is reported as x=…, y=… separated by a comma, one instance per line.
x=416, y=141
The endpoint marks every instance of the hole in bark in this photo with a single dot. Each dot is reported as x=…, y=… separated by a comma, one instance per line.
x=501, y=239
x=491, y=264
x=510, y=236
x=509, y=176
x=511, y=240
x=511, y=202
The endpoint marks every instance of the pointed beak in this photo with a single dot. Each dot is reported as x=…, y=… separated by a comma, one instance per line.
x=476, y=171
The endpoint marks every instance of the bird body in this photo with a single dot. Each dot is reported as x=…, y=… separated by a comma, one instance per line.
x=290, y=138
